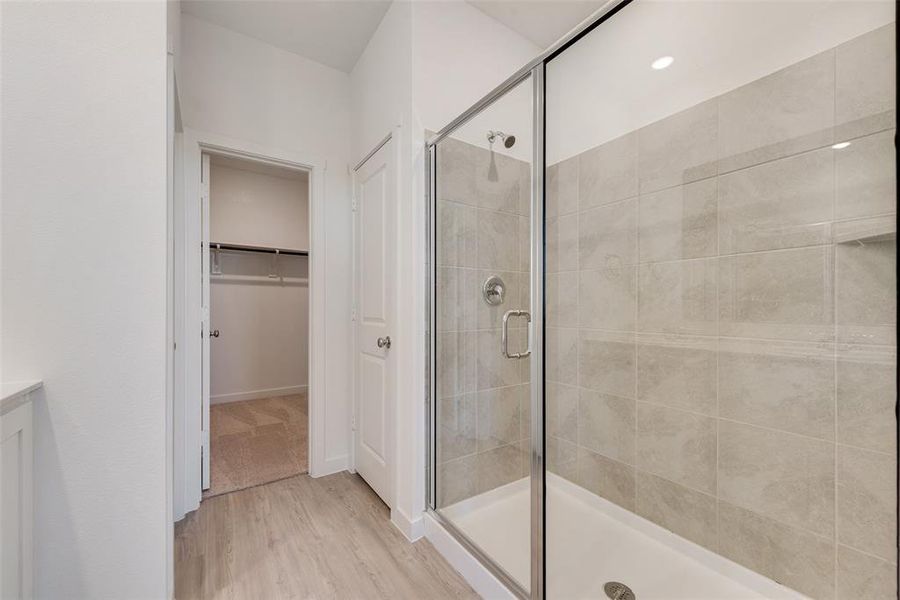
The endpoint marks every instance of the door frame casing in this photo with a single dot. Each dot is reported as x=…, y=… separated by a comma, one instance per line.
x=196, y=143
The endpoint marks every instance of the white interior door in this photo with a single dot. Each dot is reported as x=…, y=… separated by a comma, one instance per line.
x=374, y=204
x=204, y=315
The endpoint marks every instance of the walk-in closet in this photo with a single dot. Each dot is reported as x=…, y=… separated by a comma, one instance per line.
x=258, y=298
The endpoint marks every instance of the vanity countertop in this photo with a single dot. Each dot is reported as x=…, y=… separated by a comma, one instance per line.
x=16, y=393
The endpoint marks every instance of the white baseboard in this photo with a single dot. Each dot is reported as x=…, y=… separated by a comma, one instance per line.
x=412, y=529
x=476, y=574
x=257, y=394
x=329, y=466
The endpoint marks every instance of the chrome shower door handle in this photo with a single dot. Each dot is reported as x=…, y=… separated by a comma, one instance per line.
x=504, y=334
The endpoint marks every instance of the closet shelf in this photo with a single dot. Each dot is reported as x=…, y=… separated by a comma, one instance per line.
x=260, y=249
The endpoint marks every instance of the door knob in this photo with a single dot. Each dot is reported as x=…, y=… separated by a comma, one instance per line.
x=214, y=333
x=384, y=342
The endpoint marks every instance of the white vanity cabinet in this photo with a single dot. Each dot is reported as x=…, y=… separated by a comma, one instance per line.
x=16, y=501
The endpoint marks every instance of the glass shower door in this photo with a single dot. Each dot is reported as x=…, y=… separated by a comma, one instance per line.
x=483, y=349
x=721, y=303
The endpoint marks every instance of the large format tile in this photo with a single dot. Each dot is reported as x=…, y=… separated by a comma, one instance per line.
x=677, y=445
x=476, y=176
x=562, y=458
x=495, y=370
x=864, y=576
x=606, y=362
x=867, y=501
x=680, y=148
x=785, y=203
x=780, y=475
x=562, y=188
x=456, y=480
x=607, y=236
x=562, y=411
x=866, y=83
x=498, y=241
x=608, y=172
x=562, y=243
x=678, y=297
x=561, y=299
x=866, y=293
x=499, y=416
x=782, y=385
x=789, y=111
x=498, y=467
x=606, y=425
x=866, y=397
x=561, y=355
x=607, y=478
x=457, y=234
x=679, y=222
x=677, y=371
x=689, y=513
x=457, y=295
x=783, y=294
x=866, y=177
x=793, y=557
x=456, y=363
x=457, y=427
x=606, y=298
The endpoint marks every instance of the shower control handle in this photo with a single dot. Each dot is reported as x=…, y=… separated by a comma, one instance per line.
x=504, y=334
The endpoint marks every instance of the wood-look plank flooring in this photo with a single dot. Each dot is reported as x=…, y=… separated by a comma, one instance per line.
x=257, y=441
x=301, y=537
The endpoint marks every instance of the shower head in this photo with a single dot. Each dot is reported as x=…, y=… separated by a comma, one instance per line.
x=508, y=140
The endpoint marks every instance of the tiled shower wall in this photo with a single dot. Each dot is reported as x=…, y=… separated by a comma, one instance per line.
x=721, y=316
x=483, y=204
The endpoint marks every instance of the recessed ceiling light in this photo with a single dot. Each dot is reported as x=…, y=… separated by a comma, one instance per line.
x=841, y=145
x=662, y=62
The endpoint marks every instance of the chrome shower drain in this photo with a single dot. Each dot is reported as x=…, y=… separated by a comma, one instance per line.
x=618, y=591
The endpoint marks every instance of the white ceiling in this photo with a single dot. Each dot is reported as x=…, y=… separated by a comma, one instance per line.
x=330, y=32
x=540, y=21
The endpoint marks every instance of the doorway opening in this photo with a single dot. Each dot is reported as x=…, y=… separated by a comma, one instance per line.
x=256, y=297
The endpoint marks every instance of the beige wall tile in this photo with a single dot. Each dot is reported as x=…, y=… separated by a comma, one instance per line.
x=457, y=363
x=786, y=203
x=866, y=83
x=469, y=174
x=607, y=478
x=606, y=425
x=679, y=222
x=677, y=445
x=562, y=458
x=866, y=397
x=606, y=298
x=562, y=188
x=499, y=417
x=561, y=355
x=689, y=513
x=561, y=299
x=562, y=411
x=866, y=293
x=456, y=480
x=863, y=576
x=524, y=240
x=608, y=172
x=789, y=111
x=780, y=475
x=491, y=316
x=677, y=371
x=607, y=236
x=680, y=148
x=457, y=427
x=498, y=467
x=782, y=385
x=678, y=297
x=867, y=501
x=457, y=234
x=606, y=362
x=494, y=370
x=793, y=557
x=777, y=295
x=866, y=177
x=498, y=241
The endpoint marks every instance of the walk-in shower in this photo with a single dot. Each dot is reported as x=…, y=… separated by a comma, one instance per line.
x=686, y=388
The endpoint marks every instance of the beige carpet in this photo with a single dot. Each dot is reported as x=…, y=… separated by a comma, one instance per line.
x=257, y=441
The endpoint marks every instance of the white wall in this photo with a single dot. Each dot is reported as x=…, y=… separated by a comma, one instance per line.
x=235, y=86
x=84, y=284
x=426, y=63
x=263, y=322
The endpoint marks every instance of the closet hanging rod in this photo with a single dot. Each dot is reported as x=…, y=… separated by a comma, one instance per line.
x=262, y=249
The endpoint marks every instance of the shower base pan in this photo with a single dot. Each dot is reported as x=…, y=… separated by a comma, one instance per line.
x=591, y=541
